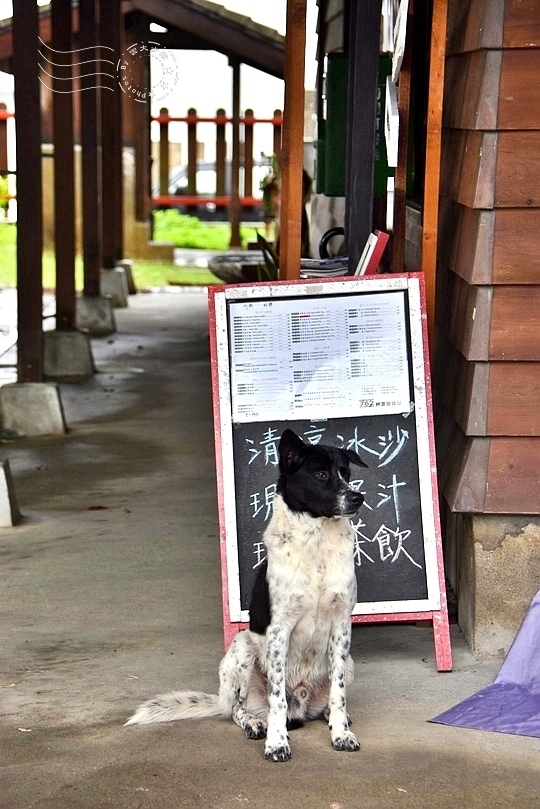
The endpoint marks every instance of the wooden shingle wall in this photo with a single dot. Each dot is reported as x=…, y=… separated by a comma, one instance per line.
x=487, y=368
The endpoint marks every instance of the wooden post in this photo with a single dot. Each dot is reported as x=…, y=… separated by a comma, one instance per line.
x=221, y=153
x=164, y=154
x=118, y=159
x=90, y=153
x=248, y=153
x=111, y=145
x=64, y=168
x=433, y=158
x=400, y=192
x=364, y=31
x=235, y=168
x=192, y=157
x=29, y=194
x=292, y=155
x=136, y=117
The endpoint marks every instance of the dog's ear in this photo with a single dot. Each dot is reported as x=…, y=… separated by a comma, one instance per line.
x=292, y=452
x=354, y=458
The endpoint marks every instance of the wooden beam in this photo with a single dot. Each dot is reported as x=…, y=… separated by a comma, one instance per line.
x=433, y=157
x=29, y=194
x=292, y=153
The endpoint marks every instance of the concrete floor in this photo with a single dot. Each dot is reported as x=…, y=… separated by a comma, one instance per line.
x=111, y=593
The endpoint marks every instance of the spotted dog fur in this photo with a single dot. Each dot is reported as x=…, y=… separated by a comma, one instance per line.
x=293, y=664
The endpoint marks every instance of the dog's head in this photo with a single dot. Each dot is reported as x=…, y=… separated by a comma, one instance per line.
x=315, y=479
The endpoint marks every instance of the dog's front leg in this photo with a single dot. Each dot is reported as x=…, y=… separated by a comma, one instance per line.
x=277, y=746
x=338, y=720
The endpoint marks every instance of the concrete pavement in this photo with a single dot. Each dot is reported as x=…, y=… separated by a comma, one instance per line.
x=111, y=593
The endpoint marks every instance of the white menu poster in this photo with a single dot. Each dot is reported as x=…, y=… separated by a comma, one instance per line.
x=319, y=357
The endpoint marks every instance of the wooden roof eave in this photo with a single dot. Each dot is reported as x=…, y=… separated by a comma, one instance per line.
x=236, y=36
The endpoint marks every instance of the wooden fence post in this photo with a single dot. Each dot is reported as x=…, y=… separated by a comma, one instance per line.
x=164, y=153
x=192, y=157
x=221, y=153
x=3, y=139
x=234, y=211
x=248, y=153
x=278, y=131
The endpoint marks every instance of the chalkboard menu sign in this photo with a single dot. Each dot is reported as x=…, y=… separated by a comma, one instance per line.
x=340, y=362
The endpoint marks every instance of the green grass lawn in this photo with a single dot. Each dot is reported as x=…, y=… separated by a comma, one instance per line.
x=162, y=273
x=169, y=226
x=188, y=231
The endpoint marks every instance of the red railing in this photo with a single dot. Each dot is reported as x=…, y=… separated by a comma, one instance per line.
x=220, y=198
x=191, y=198
x=174, y=200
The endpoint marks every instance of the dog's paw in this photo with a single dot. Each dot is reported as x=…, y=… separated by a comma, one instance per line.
x=346, y=741
x=282, y=753
x=255, y=729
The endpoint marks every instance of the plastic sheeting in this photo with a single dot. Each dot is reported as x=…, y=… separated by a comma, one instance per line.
x=512, y=703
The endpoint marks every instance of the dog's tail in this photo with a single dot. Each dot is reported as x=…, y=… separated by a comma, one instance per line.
x=177, y=705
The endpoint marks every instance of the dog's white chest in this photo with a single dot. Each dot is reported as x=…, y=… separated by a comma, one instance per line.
x=310, y=562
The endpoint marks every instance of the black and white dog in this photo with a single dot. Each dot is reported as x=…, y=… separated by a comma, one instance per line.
x=293, y=664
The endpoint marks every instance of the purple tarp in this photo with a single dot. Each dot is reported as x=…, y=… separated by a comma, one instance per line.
x=512, y=703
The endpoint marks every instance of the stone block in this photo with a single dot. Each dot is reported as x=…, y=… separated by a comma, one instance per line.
x=32, y=408
x=127, y=265
x=67, y=354
x=113, y=283
x=95, y=315
x=9, y=510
